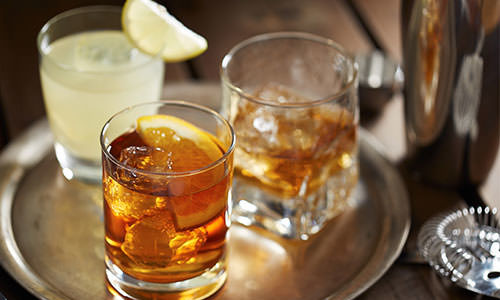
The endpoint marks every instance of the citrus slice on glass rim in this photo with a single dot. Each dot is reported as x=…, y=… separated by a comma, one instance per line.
x=167, y=132
x=198, y=197
x=150, y=28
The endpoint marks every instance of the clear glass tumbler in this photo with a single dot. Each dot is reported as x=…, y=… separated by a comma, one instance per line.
x=292, y=100
x=88, y=71
x=167, y=173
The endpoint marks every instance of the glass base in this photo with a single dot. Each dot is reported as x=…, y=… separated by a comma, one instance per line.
x=196, y=288
x=295, y=218
x=76, y=168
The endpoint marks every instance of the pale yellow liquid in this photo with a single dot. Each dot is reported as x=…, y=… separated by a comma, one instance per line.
x=86, y=78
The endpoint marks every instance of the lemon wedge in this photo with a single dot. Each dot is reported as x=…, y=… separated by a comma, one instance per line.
x=150, y=27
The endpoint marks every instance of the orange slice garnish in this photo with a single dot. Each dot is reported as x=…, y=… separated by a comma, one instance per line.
x=197, y=198
x=174, y=134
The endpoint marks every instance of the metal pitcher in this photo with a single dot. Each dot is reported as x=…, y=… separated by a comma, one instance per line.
x=451, y=64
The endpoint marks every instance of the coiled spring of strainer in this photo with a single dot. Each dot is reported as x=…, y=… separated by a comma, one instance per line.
x=464, y=246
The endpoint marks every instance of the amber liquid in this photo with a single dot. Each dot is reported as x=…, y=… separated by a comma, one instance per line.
x=293, y=152
x=162, y=230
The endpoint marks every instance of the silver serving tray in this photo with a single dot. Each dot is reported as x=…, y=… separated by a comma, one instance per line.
x=51, y=234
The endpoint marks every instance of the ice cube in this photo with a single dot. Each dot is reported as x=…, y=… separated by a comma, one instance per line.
x=153, y=241
x=185, y=244
x=104, y=54
x=147, y=241
x=264, y=123
x=103, y=51
x=256, y=126
x=125, y=202
x=294, y=132
x=275, y=92
x=147, y=158
x=273, y=130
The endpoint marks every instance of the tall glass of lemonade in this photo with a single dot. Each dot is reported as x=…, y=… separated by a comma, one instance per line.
x=88, y=71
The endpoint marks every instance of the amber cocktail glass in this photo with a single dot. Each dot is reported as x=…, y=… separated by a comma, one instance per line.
x=292, y=100
x=167, y=171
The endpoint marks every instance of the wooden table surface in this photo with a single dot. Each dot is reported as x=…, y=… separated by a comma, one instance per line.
x=360, y=26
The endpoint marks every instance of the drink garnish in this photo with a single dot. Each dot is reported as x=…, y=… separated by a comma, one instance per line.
x=153, y=30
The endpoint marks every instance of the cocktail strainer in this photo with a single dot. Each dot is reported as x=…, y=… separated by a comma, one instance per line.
x=464, y=246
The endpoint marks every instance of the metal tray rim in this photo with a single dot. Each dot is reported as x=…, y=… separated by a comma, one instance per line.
x=352, y=291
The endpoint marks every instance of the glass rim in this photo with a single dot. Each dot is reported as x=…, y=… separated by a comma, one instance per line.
x=182, y=103
x=84, y=10
x=288, y=35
